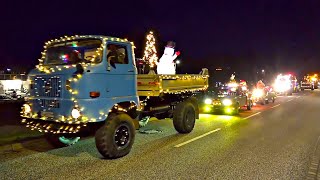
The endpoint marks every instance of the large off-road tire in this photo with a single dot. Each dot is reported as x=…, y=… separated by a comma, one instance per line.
x=184, y=117
x=195, y=103
x=249, y=106
x=59, y=141
x=115, y=138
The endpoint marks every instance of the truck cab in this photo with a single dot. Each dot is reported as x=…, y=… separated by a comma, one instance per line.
x=63, y=86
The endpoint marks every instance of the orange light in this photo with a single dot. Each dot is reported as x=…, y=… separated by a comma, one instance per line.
x=94, y=94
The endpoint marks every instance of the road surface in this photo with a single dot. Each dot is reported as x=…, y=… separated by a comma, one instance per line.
x=275, y=141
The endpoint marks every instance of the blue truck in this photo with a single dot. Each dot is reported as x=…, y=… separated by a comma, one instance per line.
x=89, y=84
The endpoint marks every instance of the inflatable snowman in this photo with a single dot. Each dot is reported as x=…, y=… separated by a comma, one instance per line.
x=166, y=64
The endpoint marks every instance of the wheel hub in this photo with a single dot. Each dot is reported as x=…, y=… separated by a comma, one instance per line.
x=189, y=117
x=122, y=136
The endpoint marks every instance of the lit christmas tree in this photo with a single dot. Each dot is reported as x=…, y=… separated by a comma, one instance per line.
x=150, y=52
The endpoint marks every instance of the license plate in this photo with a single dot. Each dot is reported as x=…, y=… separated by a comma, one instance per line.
x=47, y=114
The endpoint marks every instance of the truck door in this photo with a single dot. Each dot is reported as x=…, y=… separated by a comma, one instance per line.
x=121, y=72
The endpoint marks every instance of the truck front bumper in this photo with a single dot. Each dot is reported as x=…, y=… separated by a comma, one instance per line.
x=218, y=109
x=53, y=127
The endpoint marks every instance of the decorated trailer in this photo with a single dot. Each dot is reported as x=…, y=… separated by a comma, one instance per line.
x=90, y=84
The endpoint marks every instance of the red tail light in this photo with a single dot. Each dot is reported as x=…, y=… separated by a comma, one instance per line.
x=94, y=94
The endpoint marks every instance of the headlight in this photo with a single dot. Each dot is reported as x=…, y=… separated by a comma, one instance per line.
x=75, y=113
x=208, y=101
x=257, y=93
x=26, y=108
x=227, y=102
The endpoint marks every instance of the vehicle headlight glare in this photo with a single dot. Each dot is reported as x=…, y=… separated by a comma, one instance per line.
x=75, y=113
x=227, y=102
x=208, y=101
x=257, y=93
x=26, y=108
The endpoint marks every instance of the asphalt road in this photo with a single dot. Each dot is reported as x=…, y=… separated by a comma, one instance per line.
x=275, y=141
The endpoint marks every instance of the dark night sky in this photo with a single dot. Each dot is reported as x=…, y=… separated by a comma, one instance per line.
x=261, y=32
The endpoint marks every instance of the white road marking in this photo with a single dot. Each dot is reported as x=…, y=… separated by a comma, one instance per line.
x=298, y=97
x=196, y=138
x=252, y=115
x=289, y=100
x=275, y=106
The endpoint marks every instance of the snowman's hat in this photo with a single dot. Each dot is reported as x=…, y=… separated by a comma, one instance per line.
x=171, y=44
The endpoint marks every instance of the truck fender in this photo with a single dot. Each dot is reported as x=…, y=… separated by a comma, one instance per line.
x=127, y=107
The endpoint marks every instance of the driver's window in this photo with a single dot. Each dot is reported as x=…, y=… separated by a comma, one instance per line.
x=117, y=54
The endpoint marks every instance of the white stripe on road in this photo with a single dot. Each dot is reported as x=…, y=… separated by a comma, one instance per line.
x=252, y=115
x=275, y=106
x=196, y=138
x=289, y=100
x=298, y=97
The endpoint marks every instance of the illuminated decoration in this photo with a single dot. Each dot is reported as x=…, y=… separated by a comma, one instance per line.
x=98, y=52
x=74, y=44
x=48, y=127
x=150, y=52
x=166, y=64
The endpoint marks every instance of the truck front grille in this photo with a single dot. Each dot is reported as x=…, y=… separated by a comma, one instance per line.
x=45, y=103
x=47, y=86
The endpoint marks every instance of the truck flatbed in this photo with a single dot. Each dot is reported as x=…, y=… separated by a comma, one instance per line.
x=154, y=85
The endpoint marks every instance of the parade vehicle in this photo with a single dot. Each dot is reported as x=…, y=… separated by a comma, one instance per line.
x=283, y=84
x=263, y=95
x=89, y=84
x=309, y=82
x=226, y=99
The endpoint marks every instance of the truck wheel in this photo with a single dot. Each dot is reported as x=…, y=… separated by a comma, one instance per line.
x=236, y=109
x=249, y=106
x=195, y=103
x=59, y=141
x=115, y=138
x=184, y=117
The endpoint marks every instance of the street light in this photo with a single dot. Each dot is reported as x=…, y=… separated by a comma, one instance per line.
x=262, y=71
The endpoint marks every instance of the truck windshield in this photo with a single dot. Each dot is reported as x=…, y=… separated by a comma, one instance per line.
x=73, y=52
